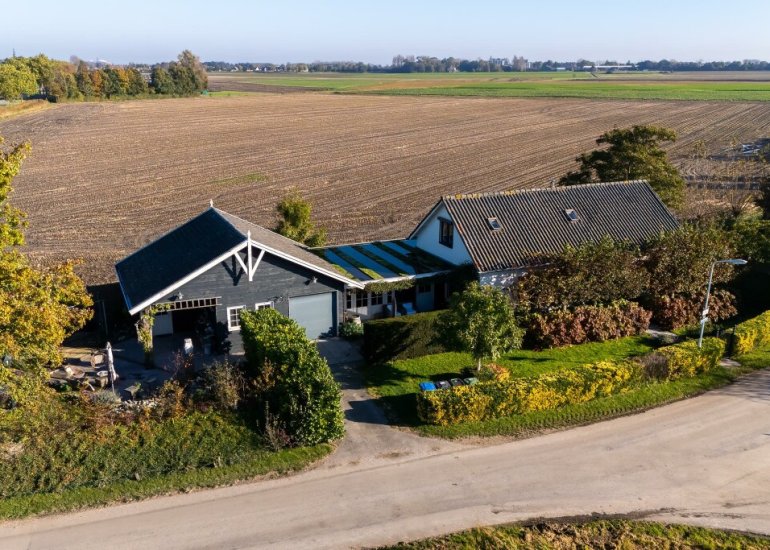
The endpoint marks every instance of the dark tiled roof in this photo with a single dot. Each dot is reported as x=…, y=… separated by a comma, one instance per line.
x=174, y=255
x=534, y=222
x=193, y=245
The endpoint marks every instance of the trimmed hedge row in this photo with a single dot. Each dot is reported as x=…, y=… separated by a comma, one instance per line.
x=500, y=397
x=504, y=398
x=686, y=360
x=752, y=334
x=403, y=337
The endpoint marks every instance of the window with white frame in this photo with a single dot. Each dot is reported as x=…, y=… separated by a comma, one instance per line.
x=263, y=305
x=234, y=318
x=376, y=298
x=349, y=299
x=424, y=288
x=361, y=300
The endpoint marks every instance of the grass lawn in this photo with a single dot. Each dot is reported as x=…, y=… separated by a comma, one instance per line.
x=396, y=384
x=612, y=533
x=595, y=89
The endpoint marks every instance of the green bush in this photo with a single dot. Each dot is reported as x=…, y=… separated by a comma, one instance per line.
x=685, y=359
x=403, y=337
x=351, y=330
x=295, y=391
x=499, y=398
x=752, y=334
x=587, y=324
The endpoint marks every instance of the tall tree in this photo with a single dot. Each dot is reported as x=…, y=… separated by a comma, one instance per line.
x=632, y=153
x=161, y=82
x=296, y=223
x=16, y=81
x=83, y=79
x=39, y=307
x=191, y=62
x=483, y=322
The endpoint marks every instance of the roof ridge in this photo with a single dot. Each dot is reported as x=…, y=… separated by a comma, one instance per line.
x=292, y=241
x=562, y=188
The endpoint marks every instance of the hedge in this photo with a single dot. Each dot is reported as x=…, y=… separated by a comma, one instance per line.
x=296, y=394
x=499, y=398
x=587, y=324
x=685, y=359
x=403, y=337
x=752, y=334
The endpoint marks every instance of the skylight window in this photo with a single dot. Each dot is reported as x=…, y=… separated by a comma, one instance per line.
x=494, y=224
x=571, y=215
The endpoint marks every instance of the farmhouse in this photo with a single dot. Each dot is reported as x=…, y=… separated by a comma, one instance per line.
x=205, y=271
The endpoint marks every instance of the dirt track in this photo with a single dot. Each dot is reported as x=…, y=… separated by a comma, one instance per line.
x=105, y=178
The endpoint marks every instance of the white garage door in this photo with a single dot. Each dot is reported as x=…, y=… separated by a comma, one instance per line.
x=314, y=313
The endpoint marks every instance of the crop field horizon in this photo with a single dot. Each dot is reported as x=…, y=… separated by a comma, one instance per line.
x=690, y=86
x=105, y=178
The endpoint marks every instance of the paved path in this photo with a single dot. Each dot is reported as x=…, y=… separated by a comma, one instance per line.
x=369, y=440
x=704, y=460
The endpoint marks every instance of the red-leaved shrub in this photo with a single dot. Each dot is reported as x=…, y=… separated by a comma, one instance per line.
x=680, y=311
x=588, y=324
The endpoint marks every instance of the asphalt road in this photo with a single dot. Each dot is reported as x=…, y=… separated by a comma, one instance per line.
x=704, y=460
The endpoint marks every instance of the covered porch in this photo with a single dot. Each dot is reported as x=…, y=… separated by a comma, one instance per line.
x=398, y=278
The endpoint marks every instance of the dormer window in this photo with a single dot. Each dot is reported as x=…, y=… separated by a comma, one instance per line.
x=571, y=215
x=494, y=224
x=446, y=232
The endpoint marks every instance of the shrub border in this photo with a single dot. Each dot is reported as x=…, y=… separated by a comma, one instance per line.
x=270, y=464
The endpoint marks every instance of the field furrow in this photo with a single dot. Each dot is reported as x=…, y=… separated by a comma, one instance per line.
x=105, y=178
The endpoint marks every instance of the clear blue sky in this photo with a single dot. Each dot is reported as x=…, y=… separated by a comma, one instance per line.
x=374, y=31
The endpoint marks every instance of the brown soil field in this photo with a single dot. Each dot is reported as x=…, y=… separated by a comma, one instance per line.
x=105, y=178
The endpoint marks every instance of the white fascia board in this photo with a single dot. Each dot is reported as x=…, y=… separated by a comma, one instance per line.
x=189, y=277
x=186, y=279
x=425, y=220
x=308, y=265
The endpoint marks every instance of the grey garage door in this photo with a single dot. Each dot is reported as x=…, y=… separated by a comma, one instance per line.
x=313, y=313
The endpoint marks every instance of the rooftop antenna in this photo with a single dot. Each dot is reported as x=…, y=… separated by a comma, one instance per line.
x=211, y=203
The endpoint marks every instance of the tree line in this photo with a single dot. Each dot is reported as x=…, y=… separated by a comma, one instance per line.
x=430, y=64
x=45, y=78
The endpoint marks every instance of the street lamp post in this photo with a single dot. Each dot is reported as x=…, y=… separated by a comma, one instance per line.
x=704, y=315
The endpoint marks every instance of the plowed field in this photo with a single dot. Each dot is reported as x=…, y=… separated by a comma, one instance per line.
x=105, y=178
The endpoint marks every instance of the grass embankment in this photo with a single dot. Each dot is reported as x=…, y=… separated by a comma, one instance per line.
x=396, y=384
x=22, y=107
x=260, y=463
x=596, y=534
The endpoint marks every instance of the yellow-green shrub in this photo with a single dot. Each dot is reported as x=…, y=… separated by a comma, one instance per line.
x=752, y=334
x=498, y=398
x=685, y=359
